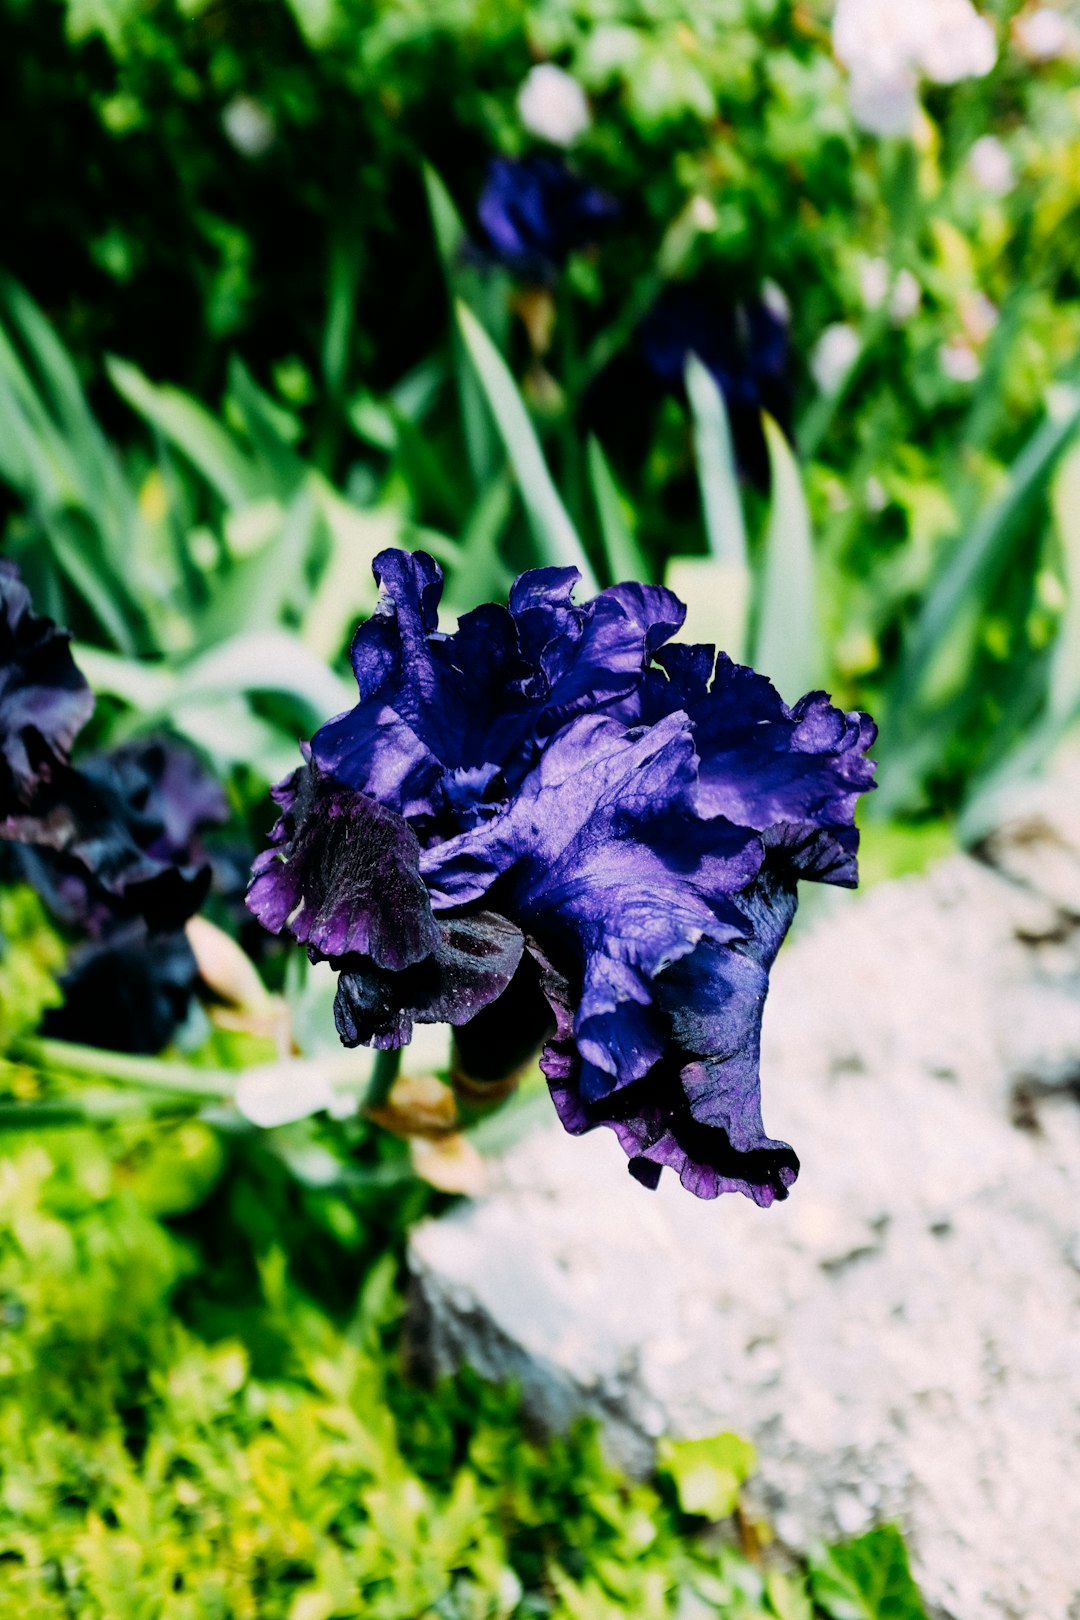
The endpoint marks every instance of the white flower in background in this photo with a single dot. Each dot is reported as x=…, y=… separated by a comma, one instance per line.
x=833, y=356
x=875, y=494
x=776, y=301
x=248, y=126
x=958, y=44
x=1045, y=34
x=884, y=106
x=874, y=279
x=873, y=282
x=552, y=105
x=907, y=295
x=979, y=316
x=703, y=214
x=959, y=361
x=887, y=44
x=991, y=166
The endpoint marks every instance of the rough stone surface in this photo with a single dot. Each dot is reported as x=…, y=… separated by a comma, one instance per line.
x=901, y=1338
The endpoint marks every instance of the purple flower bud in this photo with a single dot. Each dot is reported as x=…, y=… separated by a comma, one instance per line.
x=535, y=212
x=551, y=819
x=744, y=345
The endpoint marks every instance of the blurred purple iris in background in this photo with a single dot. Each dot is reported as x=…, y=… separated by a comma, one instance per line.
x=112, y=845
x=743, y=343
x=535, y=211
x=550, y=824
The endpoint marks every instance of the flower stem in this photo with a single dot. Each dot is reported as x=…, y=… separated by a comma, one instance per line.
x=383, y=1074
x=153, y=1074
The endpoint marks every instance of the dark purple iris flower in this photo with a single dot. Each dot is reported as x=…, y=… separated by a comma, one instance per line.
x=550, y=823
x=744, y=344
x=535, y=212
x=44, y=701
x=128, y=992
x=112, y=845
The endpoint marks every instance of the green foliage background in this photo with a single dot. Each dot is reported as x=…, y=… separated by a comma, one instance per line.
x=309, y=271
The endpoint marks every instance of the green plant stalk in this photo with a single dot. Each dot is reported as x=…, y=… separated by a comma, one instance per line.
x=383, y=1074
x=570, y=441
x=151, y=1074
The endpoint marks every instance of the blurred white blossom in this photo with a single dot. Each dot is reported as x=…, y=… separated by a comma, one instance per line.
x=776, y=301
x=887, y=44
x=958, y=44
x=703, y=212
x=552, y=105
x=979, y=316
x=874, y=279
x=991, y=166
x=959, y=361
x=833, y=356
x=875, y=495
x=1045, y=34
x=249, y=126
x=884, y=106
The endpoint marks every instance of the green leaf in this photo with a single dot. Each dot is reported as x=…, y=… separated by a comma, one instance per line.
x=462, y=283
x=31, y=955
x=555, y=534
x=135, y=682
x=269, y=430
x=450, y=234
x=625, y=558
x=707, y=1474
x=866, y=1579
x=265, y=661
x=786, y=642
x=343, y=281
x=345, y=591
x=717, y=473
x=206, y=699
x=476, y=572
x=104, y=596
x=787, y=1596
x=231, y=733
x=62, y=402
x=717, y=597
x=206, y=444
x=1064, y=693
x=259, y=589
x=977, y=561
x=155, y=1074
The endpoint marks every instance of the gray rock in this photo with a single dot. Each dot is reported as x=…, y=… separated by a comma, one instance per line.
x=901, y=1338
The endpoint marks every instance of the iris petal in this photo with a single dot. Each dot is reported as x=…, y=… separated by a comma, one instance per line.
x=44, y=700
x=472, y=963
x=535, y=212
x=342, y=874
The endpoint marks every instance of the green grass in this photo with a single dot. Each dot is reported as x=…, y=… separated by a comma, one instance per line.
x=284, y=1465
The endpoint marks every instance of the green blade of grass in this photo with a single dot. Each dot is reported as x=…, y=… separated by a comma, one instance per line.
x=1064, y=690
x=786, y=638
x=976, y=563
x=717, y=473
x=481, y=444
x=549, y=520
x=717, y=598
x=625, y=558
x=193, y=431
